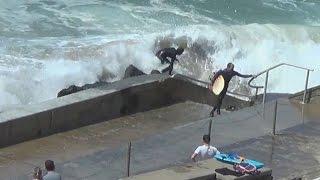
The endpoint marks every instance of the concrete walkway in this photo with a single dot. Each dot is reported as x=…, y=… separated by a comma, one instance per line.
x=69, y=148
x=162, y=138
x=293, y=152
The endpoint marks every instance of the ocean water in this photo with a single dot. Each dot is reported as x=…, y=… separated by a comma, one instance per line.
x=48, y=45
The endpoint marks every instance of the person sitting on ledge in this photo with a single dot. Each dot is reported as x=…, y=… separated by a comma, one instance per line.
x=205, y=151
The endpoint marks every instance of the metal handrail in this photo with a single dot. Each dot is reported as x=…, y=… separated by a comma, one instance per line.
x=273, y=67
x=207, y=83
x=266, y=81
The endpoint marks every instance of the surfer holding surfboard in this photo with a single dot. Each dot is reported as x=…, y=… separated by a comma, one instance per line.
x=220, y=82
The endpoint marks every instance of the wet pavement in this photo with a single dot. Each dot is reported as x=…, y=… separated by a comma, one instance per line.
x=18, y=161
x=167, y=136
x=293, y=153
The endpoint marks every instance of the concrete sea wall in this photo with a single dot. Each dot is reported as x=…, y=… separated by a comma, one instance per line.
x=91, y=106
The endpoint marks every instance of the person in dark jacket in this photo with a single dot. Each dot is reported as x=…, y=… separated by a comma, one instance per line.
x=227, y=74
x=171, y=53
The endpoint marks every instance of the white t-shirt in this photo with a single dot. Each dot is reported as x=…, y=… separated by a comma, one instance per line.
x=51, y=175
x=206, y=151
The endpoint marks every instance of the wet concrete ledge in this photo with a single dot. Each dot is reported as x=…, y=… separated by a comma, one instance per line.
x=312, y=95
x=91, y=106
x=205, y=170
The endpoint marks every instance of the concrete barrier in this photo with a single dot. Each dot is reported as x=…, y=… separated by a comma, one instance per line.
x=205, y=170
x=200, y=94
x=312, y=95
x=91, y=106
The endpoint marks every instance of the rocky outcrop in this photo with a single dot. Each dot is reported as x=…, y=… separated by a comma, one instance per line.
x=73, y=88
x=69, y=90
x=132, y=71
x=155, y=72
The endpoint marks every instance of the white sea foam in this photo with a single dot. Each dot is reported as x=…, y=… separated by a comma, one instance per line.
x=50, y=46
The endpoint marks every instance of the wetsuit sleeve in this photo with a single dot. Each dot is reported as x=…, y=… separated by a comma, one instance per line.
x=162, y=55
x=167, y=60
x=174, y=59
x=242, y=75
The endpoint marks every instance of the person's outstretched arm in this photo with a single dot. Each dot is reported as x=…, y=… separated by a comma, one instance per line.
x=243, y=75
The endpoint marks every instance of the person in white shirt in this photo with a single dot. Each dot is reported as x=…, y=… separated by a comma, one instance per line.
x=205, y=151
x=51, y=175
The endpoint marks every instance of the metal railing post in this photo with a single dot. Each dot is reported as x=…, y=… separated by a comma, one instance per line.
x=306, y=87
x=128, y=159
x=265, y=92
x=210, y=128
x=275, y=118
x=276, y=66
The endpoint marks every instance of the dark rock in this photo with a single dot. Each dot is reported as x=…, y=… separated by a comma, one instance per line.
x=155, y=72
x=73, y=88
x=69, y=90
x=132, y=71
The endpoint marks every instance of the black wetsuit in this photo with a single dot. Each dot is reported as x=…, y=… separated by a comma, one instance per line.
x=227, y=74
x=166, y=53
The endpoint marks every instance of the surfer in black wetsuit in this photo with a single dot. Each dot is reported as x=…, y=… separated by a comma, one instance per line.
x=171, y=53
x=227, y=75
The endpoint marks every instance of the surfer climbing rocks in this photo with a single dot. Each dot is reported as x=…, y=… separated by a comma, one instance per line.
x=171, y=53
x=226, y=75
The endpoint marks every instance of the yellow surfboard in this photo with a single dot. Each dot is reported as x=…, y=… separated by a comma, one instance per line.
x=218, y=85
